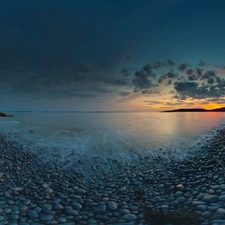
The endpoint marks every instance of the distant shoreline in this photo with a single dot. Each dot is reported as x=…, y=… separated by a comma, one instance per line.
x=197, y=110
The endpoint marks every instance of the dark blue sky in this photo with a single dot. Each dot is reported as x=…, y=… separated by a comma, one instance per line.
x=67, y=54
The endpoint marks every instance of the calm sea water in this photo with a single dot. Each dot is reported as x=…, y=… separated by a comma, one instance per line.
x=112, y=133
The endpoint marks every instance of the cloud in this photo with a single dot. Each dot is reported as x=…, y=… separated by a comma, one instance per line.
x=124, y=93
x=126, y=71
x=143, y=78
x=170, y=62
x=185, y=86
x=182, y=67
x=202, y=63
x=154, y=102
x=196, y=90
x=170, y=75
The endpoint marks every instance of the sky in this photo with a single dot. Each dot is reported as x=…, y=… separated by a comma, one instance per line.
x=141, y=55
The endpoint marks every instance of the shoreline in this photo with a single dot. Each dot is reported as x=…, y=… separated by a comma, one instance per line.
x=33, y=192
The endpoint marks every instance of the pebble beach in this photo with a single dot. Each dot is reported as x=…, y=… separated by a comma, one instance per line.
x=142, y=191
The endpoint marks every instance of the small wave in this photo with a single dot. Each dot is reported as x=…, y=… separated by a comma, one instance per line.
x=7, y=122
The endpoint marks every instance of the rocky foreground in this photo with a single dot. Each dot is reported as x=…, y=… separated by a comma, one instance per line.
x=142, y=191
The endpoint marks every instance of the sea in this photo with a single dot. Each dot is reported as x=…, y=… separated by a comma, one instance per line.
x=111, y=134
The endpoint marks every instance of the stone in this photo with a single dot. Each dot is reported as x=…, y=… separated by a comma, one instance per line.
x=46, y=217
x=32, y=214
x=220, y=211
x=76, y=205
x=180, y=187
x=101, y=208
x=80, y=191
x=17, y=189
x=181, y=199
x=201, y=208
x=206, y=214
x=122, y=189
x=72, y=212
x=49, y=190
x=195, y=203
x=221, y=198
x=130, y=217
x=210, y=198
x=112, y=205
x=164, y=207
x=46, y=206
x=91, y=204
x=174, y=203
x=58, y=206
x=124, y=211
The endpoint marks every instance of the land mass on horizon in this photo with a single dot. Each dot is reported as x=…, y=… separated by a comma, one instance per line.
x=196, y=110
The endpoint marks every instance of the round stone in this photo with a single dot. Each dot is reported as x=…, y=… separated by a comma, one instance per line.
x=181, y=199
x=112, y=205
x=130, y=217
x=164, y=207
x=180, y=187
x=206, y=214
x=72, y=212
x=47, y=217
x=101, y=208
x=201, y=208
x=49, y=190
x=58, y=206
x=80, y=191
x=220, y=211
x=122, y=189
x=32, y=214
x=46, y=206
x=76, y=205
x=222, y=198
x=17, y=189
x=210, y=198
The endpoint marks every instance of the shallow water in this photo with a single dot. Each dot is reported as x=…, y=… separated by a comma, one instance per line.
x=69, y=134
